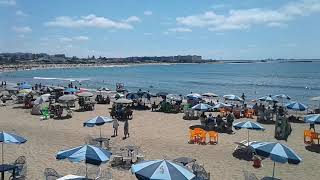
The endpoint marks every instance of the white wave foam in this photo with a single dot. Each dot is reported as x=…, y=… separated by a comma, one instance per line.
x=63, y=79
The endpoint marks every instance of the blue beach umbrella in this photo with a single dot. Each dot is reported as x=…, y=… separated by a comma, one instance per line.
x=221, y=105
x=161, y=169
x=132, y=96
x=312, y=118
x=71, y=90
x=87, y=154
x=202, y=107
x=248, y=125
x=232, y=97
x=297, y=106
x=194, y=96
x=24, y=86
x=174, y=97
x=268, y=99
x=282, y=96
x=98, y=121
x=277, y=152
x=9, y=138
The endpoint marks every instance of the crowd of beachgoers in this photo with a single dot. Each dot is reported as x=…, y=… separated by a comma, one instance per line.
x=144, y=135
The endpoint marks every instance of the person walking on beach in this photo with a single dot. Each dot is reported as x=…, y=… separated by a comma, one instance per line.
x=115, y=127
x=126, y=129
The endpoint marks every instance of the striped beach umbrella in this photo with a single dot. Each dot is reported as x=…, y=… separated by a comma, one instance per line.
x=97, y=121
x=232, y=97
x=248, y=125
x=87, y=154
x=202, y=107
x=277, y=152
x=194, y=96
x=161, y=169
x=312, y=118
x=9, y=138
x=268, y=99
x=297, y=106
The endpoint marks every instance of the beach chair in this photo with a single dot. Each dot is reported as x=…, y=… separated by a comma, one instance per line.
x=213, y=137
x=249, y=176
x=192, y=136
x=197, y=134
x=105, y=175
x=45, y=113
x=21, y=170
x=51, y=174
x=203, y=137
x=310, y=136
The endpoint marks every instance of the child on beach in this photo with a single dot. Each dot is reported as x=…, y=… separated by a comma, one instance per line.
x=115, y=127
x=126, y=129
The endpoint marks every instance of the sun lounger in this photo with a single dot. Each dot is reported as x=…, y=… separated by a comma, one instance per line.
x=310, y=136
x=51, y=174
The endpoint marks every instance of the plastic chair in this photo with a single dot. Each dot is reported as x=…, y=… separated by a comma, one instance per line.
x=213, y=137
x=315, y=136
x=203, y=137
x=192, y=136
x=307, y=137
x=45, y=113
x=197, y=134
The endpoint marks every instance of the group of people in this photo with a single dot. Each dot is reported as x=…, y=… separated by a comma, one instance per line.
x=116, y=127
x=217, y=123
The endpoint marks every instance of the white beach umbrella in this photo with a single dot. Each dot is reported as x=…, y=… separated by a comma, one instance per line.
x=208, y=94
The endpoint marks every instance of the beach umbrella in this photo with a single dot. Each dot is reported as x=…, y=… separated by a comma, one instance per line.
x=174, y=97
x=87, y=153
x=71, y=90
x=104, y=89
x=11, y=88
x=268, y=99
x=221, y=105
x=132, y=96
x=119, y=95
x=162, y=94
x=57, y=88
x=68, y=98
x=4, y=93
x=123, y=101
x=277, y=152
x=296, y=106
x=72, y=177
x=232, y=97
x=46, y=89
x=85, y=94
x=161, y=169
x=202, y=107
x=9, y=138
x=144, y=94
x=248, y=125
x=312, y=118
x=210, y=95
x=97, y=121
x=24, y=86
x=282, y=96
x=41, y=99
x=194, y=96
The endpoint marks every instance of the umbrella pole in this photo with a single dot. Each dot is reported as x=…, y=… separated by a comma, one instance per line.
x=274, y=165
x=2, y=153
x=248, y=137
x=86, y=171
x=100, y=131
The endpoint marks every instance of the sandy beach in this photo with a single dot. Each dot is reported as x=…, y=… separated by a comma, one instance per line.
x=159, y=136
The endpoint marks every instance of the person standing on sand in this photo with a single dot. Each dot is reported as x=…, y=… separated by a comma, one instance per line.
x=126, y=129
x=115, y=127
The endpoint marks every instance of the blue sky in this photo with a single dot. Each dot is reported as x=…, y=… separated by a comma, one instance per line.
x=252, y=29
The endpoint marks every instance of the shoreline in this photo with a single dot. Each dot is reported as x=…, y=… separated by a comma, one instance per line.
x=28, y=67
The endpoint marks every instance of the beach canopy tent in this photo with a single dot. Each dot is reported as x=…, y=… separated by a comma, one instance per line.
x=85, y=94
x=123, y=101
x=97, y=121
x=232, y=97
x=25, y=86
x=42, y=99
x=202, y=107
x=194, y=96
x=174, y=97
x=268, y=99
x=10, y=138
x=221, y=105
x=312, y=118
x=36, y=109
x=277, y=152
x=87, y=153
x=248, y=125
x=68, y=98
x=70, y=90
x=161, y=169
x=132, y=96
x=296, y=106
x=210, y=95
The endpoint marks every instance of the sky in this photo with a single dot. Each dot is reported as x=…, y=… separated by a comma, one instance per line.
x=215, y=29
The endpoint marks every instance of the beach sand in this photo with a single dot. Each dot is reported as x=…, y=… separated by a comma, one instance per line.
x=159, y=136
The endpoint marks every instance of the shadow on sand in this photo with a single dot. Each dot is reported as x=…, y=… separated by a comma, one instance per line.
x=313, y=148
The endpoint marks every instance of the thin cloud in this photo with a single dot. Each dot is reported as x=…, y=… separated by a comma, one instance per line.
x=21, y=13
x=91, y=21
x=65, y=39
x=77, y=38
x=22, y=29
x=8, y=2
x=132, y=19
x=246, y=18
x=180, y=29
x=81, y=38
x=147, y=13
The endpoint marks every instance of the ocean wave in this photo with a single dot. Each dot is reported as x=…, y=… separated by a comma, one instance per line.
x=63, y=79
